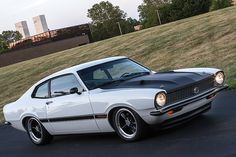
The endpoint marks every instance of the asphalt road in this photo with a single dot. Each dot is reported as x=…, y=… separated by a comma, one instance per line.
x=212, y=135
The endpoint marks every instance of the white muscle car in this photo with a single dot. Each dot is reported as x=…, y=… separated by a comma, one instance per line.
x=113, y=94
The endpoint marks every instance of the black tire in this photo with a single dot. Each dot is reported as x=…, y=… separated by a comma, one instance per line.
x=130, y=128
x=37, y=133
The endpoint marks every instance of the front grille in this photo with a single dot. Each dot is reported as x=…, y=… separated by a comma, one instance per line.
x=189, y=91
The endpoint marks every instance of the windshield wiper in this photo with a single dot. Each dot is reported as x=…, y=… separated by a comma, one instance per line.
x=123, y=78
x=135, y=74
x=108, y=83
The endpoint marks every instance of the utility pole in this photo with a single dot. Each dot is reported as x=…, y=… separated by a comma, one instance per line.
x=158, y=16
x=118, y=23
x=50, y=36
x=157, y=11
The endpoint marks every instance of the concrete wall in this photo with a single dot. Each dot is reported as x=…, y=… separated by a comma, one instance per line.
x=41, y=50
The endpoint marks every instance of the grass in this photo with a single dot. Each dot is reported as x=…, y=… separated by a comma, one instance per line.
x=207, y=40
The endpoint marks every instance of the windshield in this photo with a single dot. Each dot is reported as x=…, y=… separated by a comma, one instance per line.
x=111, y=72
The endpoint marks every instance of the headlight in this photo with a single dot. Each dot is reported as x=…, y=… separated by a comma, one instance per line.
x=220, y=78
x=161, y=99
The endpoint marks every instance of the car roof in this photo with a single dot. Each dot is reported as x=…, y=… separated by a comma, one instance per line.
x=81, y=67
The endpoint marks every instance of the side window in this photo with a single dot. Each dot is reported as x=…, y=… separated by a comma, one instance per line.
x=41, y=91
x=62, y=85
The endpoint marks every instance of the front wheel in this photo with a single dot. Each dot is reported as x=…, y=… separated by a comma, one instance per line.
x=128, y=125
x=37, y=133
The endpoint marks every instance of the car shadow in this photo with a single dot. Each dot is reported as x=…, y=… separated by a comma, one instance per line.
x=194, y=126
x=198, y=124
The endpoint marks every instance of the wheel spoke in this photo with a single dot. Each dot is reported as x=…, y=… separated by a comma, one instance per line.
x=133, y=128
x=34, y=128
x=123, y=116
x=123, y=127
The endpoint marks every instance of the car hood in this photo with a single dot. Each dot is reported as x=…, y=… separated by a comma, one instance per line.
x=168, y=81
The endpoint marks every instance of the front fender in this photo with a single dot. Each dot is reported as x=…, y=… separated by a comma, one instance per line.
x=139, y=100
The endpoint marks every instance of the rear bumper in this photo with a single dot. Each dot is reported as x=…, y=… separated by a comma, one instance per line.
x=178, y=106
x=7, y=123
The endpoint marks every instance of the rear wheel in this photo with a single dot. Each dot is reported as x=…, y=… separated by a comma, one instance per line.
x=128, y=125
x=37, y=133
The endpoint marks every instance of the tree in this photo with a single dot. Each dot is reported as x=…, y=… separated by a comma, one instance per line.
x=128, y=25
x=105, y=11
x=219, y=4
x=11, y=36
x=3, y=44
x=148, y=12
x=180, y=9
x=8, y=37
x=171, y=10
x=104, y=21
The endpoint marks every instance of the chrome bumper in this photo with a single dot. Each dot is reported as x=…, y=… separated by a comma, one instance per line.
x=186, y=102
x=7, y=123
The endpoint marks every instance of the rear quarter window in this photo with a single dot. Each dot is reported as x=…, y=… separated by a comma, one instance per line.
x=41, y=91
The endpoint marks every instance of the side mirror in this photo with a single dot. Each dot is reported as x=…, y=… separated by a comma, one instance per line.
x=75, y=91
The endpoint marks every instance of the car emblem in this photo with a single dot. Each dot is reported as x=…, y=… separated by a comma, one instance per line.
x=196, y=90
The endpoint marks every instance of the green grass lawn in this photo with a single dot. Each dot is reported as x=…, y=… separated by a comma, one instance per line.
x=207, y=40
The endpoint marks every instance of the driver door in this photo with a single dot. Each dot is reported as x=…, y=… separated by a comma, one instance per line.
x=67, y=112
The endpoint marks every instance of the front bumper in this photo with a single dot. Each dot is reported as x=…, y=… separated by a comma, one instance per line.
x=185, y=117
x=179, y=105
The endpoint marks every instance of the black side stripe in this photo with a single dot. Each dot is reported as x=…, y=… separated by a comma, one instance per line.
x=101, y=116
x=43, y=120
x=74, y=118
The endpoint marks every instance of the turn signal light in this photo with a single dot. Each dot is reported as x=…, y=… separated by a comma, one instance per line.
x=171, y=112
x=211, y=96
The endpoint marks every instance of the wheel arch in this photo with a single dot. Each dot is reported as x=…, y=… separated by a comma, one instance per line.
x=24, y=121
x=25, y=118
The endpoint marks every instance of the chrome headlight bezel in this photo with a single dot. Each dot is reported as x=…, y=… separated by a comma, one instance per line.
x=160, y=99
x=219, y=78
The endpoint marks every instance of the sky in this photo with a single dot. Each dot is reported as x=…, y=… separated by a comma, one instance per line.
x=59, y=13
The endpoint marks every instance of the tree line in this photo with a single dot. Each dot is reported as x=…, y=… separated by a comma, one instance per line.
x=107, y=18
x=109, y=21
x=172, y=10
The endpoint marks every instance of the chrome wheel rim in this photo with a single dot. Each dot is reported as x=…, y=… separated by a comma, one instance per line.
x=126, y=123
x=35, y=130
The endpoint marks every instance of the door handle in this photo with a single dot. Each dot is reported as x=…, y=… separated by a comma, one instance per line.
x=49, y=102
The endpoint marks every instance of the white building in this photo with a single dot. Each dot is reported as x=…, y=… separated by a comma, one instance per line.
x=40, y=24
x=22, y=27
